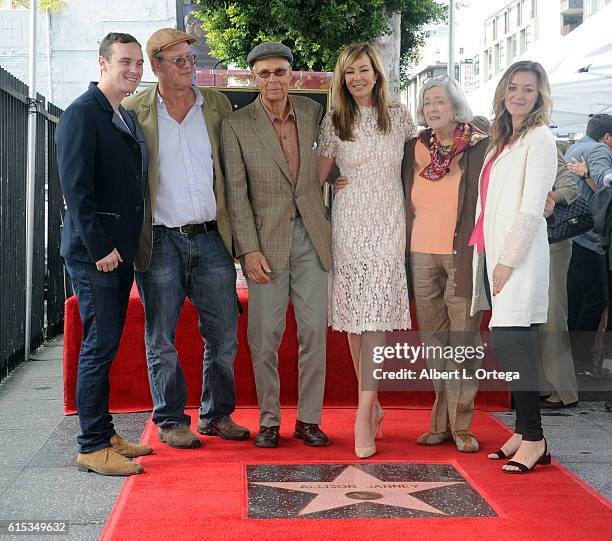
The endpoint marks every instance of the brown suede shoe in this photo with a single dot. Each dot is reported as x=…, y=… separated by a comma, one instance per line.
x=107, y=462
x=127, y=449
x=434, y=438
x=224, y=428
x=180, y=437
x=466, y=442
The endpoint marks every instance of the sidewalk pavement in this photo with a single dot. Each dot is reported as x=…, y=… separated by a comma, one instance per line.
x=39, y=481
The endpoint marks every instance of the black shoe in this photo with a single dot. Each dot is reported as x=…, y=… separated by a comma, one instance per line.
x=224, y=428
x=546, y=404
x=267, y=436
x=544, y=460
x=311, y=434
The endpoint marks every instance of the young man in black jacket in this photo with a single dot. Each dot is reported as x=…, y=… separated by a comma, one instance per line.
x=102, y=160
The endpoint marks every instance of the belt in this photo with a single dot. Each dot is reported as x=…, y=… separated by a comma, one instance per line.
x=193, y=229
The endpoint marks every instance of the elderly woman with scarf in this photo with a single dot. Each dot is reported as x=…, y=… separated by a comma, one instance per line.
x=440, y=173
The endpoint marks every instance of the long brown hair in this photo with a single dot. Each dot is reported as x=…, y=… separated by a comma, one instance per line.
x=502, y=133
x=345, y=108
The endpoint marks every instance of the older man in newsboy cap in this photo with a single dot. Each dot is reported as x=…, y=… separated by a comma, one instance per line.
x=281, y=234
x=186, y=242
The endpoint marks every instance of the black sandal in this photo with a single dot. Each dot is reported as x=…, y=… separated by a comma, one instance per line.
x=544, y=460
x=500, y=455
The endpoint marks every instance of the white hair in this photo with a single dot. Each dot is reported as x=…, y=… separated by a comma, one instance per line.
x=461, y=108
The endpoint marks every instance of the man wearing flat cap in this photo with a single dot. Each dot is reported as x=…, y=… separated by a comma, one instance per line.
x=282, y=236
x=186, y=242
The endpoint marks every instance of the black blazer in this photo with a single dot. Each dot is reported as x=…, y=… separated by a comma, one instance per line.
x=103, y=173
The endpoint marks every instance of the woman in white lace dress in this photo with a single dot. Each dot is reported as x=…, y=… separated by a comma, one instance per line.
x=511, y=255
x=364, y=136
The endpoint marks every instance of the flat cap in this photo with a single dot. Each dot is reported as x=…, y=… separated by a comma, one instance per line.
x=164, y=37
x=268, y=49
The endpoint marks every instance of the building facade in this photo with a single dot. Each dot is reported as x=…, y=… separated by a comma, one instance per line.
x=67, y=41
x=522, y=27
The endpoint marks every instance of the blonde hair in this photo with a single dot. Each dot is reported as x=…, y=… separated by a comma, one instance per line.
x=502, y=132
x=345, y=108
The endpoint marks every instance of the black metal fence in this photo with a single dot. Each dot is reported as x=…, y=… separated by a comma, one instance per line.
x=48, y=289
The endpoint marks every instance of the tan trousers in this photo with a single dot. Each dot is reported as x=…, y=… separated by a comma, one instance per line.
x=444, y=319
x=305, y=282
x=557, y=370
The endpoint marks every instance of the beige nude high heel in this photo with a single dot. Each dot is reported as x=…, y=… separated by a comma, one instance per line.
x=365, y=452
x=378, y=414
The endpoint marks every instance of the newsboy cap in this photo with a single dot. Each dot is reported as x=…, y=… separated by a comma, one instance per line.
x=268, y=49
x=164, y=37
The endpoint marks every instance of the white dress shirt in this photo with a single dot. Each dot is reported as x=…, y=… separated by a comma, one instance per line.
x=185, y=193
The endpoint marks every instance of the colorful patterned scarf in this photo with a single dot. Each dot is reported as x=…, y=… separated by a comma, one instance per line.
x=441, y=157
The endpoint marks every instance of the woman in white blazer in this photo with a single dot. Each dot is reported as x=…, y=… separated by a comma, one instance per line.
x=511, y=258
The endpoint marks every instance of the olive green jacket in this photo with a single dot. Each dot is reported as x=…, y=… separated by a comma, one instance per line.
x=215, y=107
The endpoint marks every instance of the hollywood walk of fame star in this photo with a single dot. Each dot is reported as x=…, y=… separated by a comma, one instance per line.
x=354, y=486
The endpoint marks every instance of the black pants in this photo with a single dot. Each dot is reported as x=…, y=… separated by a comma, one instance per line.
x=587, y=289
x=518, y=350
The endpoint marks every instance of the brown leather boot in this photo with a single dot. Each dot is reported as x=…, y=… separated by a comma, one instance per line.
x=107, y=462
x=180, y=437
x=224, y=428
x=127, y=449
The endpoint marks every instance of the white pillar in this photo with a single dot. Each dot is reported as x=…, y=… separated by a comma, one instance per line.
x=451, y=39
x=31, y=172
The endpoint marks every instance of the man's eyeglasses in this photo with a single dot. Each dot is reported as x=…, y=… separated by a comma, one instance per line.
x=279, y=72
x=180, y=61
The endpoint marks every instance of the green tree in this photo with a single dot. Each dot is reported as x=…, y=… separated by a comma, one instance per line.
x=52, y=6
x=316, y=30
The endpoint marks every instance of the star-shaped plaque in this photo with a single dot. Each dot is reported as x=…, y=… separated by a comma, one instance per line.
x=354, y=486
x=364, y=491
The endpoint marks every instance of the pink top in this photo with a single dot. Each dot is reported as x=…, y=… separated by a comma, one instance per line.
x=477, y=238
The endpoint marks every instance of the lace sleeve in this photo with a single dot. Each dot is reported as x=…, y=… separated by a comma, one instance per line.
x=407, y=124
x=328, y=140
x=519, y=239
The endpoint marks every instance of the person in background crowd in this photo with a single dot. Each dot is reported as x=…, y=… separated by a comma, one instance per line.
x=558, y=375
x=511, y=260
x=282, y=235
x=102, y=164
x=364, y=136
x=482, y=123
x=440, y=173
x=587, y=283
x=185, y=244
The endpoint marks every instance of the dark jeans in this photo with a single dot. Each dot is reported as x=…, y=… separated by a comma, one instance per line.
x=103, y=299
x=199, y=267
x=518, y=350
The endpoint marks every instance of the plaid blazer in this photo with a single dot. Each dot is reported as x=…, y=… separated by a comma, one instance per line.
x=260, y=196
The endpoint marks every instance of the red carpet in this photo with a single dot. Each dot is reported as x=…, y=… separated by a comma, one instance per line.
x=130, y=386
x=201, y=493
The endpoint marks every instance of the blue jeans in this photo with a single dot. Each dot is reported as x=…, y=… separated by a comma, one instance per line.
x=103, y=299
x=199, y=267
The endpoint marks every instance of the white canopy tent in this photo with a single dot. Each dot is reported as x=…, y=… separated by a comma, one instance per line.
x=581, y=82
x=579, y=67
